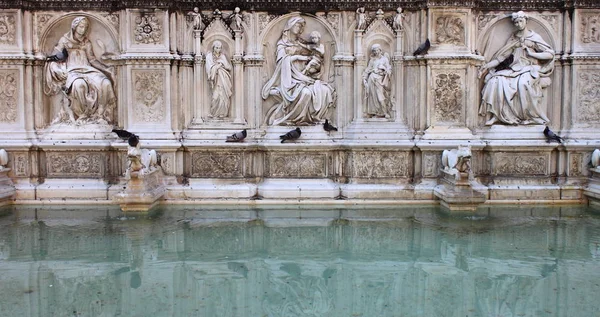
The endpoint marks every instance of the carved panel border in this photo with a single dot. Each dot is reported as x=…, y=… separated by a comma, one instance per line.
x=588, y=94
x=381, y=164
x=296, y=164
x=217, y=164
x=520, y=164
x=75, y=164
x=448, y=95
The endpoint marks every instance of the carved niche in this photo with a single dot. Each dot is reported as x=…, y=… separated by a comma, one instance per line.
x=588, y=108
x=66, y=164
x=9, y=87
x=369, y=164
x=590, y=29
x=293, y=164
x=510, y=164
x=448, y=96
x=149, y=95
x=210, y=164
x=8, y=30
x=449, y=29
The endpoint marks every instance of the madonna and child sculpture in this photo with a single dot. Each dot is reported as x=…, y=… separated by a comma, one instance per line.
x=513, y=94
x=86, y=82
x=302, y=98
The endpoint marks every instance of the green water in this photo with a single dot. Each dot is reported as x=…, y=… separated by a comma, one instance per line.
x=299, y=261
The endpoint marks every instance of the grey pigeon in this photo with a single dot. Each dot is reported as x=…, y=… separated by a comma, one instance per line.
x=123, y=134
x=58, y=57
x=237, y=137
x=423, y=48
x=328, y=127
x=292, y=135
x=551, y=136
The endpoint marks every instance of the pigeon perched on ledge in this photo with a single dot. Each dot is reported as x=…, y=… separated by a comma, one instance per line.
x=328, y=127
x=123, y=134
x=551, y=136
x=423, y=48
x=292, y=135
x=237, y=137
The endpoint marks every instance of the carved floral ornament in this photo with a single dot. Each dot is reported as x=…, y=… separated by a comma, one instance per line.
x=148, y=29
x=149, y=95
x=7, y=30
x=448, y=97
x=8, y=96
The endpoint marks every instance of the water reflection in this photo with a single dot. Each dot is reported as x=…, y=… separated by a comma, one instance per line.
x=296, y=261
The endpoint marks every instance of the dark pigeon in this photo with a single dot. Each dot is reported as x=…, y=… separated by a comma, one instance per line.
x=133, y=140
x=123, y=134
x=423, y=48
x=237, y=137
x=550, y=136
x=58, y=57
x=292, y=135
x=505, y=64
x=328, y=127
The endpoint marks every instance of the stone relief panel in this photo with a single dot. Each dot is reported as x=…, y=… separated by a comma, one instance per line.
x=431, y=164
x=66, y=164
x=293, y=164
x=381, y=164
x=522, y=164
x=377, y=82
x=8, y=30
x=263, y=20
x=576, y=165
x=449, y=29
x=448, y=96
x=299, y=51
x=590, y=29
x=112, y=19
x=148, y=29
x=167, y=162
x=9, y=90
x=20, y=164
x=484, y=19
x=588, y=94
x=41, y=21
x=148, y=95
x=213, y=164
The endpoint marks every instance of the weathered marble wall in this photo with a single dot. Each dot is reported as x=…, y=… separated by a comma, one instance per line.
x=155, y=62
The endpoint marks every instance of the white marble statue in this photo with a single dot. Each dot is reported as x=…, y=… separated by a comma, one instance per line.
x=86, y=81
x=313, y=67
x=140, y=161
x=376, y=81
x=196, y=19
x=218, y=69
x=458, y=159
x=3, y=160
x=236, y=20
x=398, y=23
x=595, y=160
x=300, y=99
x=513, y=95
x=361, y=19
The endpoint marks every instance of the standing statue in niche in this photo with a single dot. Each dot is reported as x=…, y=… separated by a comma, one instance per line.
x=196, y=19
x=236, y=20
x=376, y=79
x=218, y=69
x=398, y=23
x=74, y=70
x=300, y=99
x=517, y=75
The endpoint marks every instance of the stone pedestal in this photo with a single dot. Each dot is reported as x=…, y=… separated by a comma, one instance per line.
x=7, y=188
x=592, y=191
x=458, y=193
x=142, y=192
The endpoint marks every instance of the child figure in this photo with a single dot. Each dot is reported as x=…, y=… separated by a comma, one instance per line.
x=313, y=67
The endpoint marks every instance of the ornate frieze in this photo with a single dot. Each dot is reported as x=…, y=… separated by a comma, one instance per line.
x=263, y=20
x=148, y=29
x=588, y=108
x=41, y=22
x=522, y=164
x=380, y=164
x=149, y=95
x=8, y=29
x=448, y=96
x=20, y=163
x=590, y=29
x=292, y=164
x=431, y=164
x=449, y=29
x=67, y=164
x=217, y=164
x=484, y=19
x=9, y=88
x=112, y=19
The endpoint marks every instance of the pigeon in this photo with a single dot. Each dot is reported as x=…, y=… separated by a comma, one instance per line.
x=123, y=134
x=550, y=136
x=292, y=135
x=237, y=137
x=58, y=57
x=505, y=64
x=423, y=48
x=328, y=127
x=133, y=140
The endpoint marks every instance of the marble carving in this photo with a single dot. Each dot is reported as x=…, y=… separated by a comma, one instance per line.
x=85, y=82
x=514, y=95
x=302, y=98
x=376, y=81
x=219, y=69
